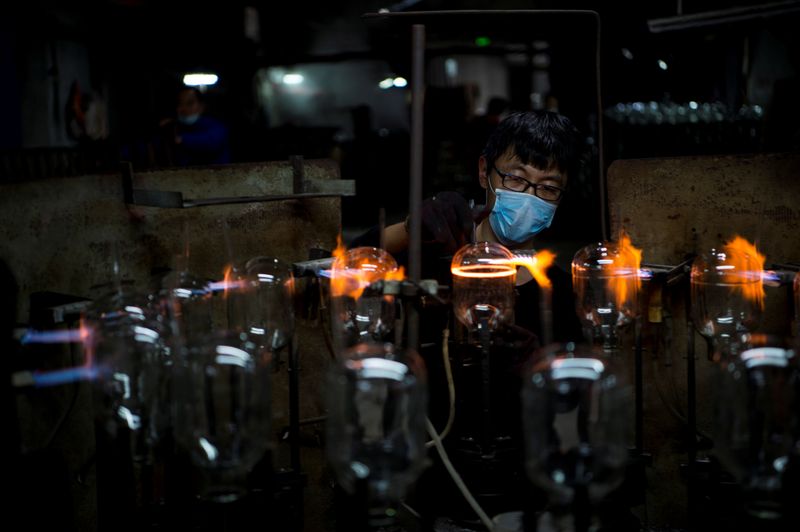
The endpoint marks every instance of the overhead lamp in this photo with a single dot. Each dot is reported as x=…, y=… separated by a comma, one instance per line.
x=200, y=79
x=292, y=79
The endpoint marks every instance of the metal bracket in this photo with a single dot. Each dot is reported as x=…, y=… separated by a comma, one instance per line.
x=174, y=199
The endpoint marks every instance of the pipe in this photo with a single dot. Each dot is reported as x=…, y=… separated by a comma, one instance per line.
x=415, y=192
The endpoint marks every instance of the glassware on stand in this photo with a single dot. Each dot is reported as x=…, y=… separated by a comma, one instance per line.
x=757, y=423
x=271, y=303
x=125, y=343
x=359, y=314
x=483, y=285
x=375, y=432
x=575, y=421
x=605, y=278
x=727, y=296
x=271, y=326
x=222, y=414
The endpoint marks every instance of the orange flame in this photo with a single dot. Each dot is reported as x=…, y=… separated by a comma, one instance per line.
x=353, y=271
x=537, y=265
x=748, y=269
x=626, y=265
x=226, y=280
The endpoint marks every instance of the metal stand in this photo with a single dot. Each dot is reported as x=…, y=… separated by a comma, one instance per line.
x=487, y=432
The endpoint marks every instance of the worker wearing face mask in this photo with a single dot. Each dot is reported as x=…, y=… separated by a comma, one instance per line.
x=524, y=169
x=193, y=138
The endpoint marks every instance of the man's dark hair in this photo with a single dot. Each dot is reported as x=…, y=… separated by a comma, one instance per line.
x=539, y=138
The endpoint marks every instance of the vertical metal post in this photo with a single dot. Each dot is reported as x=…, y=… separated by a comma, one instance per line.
x=639, y=384
x=691, y=415
x=604, y=222
x=294, y=408
x=415, y=192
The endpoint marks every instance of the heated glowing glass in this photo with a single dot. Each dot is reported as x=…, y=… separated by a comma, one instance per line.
x=483, y=284
x=727, y=291
x=360, y=309
x=606, y=281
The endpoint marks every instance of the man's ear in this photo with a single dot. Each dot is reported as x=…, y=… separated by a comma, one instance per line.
x=483, y=175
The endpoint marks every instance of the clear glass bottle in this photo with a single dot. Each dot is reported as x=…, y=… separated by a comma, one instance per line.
x=725, y=302
x=375, y=432
x=223, y=411
x=125, y=345
x=484, y=275
x=575, y=422
x=361, y=314
x=757, y=422
x=605, y=278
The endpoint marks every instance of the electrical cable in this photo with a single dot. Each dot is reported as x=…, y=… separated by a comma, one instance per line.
x=487, y=522
x=451, y=388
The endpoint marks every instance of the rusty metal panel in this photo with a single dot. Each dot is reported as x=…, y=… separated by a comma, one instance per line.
x=680, y=205
x=58, y=234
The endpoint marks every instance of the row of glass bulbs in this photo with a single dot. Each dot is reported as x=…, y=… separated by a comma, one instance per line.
x=146, y=348
x=192, y=362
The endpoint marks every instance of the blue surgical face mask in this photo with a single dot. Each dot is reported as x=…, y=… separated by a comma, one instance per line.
x=517, y=217
x=188, y=120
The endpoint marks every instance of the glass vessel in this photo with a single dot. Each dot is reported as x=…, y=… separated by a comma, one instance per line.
x=125, y=345
x=727, y=294
x=575, y=422
x=223, y=409
x=362, y=313
x=605, y=278
x=270, y=303
x=483, y=285
x=757, y=425
x=375, y=442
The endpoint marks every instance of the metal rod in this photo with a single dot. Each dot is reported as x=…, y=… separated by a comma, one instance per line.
x=486, y=385
x=639, y=378
x=415, y=192
x=294, y=408
x=604, y=222
x=691, y=411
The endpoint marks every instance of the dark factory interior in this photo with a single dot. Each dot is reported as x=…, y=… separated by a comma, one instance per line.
x=404, y=266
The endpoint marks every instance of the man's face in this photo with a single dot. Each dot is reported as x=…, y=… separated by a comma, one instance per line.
x=510, y=165
x=188, y=104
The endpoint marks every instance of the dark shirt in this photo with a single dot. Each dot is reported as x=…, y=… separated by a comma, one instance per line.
x=204, y=142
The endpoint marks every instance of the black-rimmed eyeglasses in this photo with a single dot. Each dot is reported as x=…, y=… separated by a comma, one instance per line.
x=516, y=183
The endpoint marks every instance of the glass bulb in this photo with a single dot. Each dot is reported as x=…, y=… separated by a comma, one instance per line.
x=606, y=281
x=223, y=410
x=757, y=427
x=377, y=400
x=575, y=423
x=360, y=314
x=483, y=285
x=126, y=347
x=271, y=305
x=725, y=294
